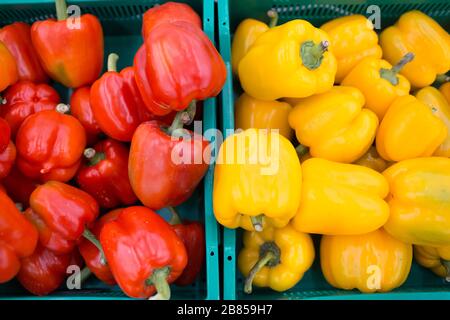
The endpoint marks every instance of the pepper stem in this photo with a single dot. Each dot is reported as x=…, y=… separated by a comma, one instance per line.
x=175, y=218
x=391, y=74
x=112, y=62
x=93, y=239
x=268, y=256
x=19, y=206
x=93, y=156
x=442, y=78
x=446, y=264
x=62, y=108
x=257, y=222
x=184, y=117
x=61, y=10
x=312, y=54
x=2, y=100
x=85, y=274
x=301, y=150
x=159, y=280
x=273, y=15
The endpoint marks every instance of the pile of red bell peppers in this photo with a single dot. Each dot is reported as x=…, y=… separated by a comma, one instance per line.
x=80, y=181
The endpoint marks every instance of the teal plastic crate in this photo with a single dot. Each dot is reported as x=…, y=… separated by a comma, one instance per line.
x=121, y=21
x=421, y=283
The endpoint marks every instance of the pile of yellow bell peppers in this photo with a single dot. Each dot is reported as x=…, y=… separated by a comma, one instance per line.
x=343, y=136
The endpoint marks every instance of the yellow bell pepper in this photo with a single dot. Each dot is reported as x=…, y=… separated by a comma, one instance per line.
x=352, y=39
x=409, y=130
x=380, y=82
x=334, y=124
x=257, y=180
x=437, y=259
x=439, y=106
x=418, y=33
x=290, y=60
x=445, y=90
x=246, y=34
x=371, y=159
x=419, y=201
x=253, y=113
x=372, y=262
x=275, y=258
x=341, y=199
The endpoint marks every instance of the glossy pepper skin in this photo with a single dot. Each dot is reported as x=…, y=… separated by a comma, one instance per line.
x=192, y=68
x=259, y=114
x=334, y=124
x=418, y=33
x=50, y=145
x=118, y=114
x=70, y=55
x=92, y=255
x=5, y=134
x=419, y=134
x=296, y=63
x=19, y=186
x=440, y=108
x=18, y=238
x=192, y=234
x=158, y=179
x=155, y=255
x=17, y=38
x=437, y=259
x=380, y=83
x=246, y=34
x=445, y=90
x=371, y=159
x=7, y=158
x=104, y=174
x=257, y=181
x=61, y=213
x=371, y=262
x=341, y=199
x=275, y=258
x=169, y=12
x=44, y=271
x=24, y=99
x=8, y=68
x=80, y=108
x=352, y=39
x=418, y=201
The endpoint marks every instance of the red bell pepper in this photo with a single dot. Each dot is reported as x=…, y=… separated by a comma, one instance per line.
x=92, y=255
x=7, y=158
x=116, y=102
x=70, y=54
x=80, y=108
x=61, y=214
x=192, y=233
x=169, y=12
x=19, y=187
x=192, y=68
x=44, y=271
x=18, y=238
x=144, y=253
x=8, y=68
x=24, y=99
x=164, y=170
x=105, y=174
x=50, y=145
x=17, y=38
x=5, y=134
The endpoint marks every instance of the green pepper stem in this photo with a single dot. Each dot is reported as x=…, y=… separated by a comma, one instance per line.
x=85, y=274
x=184, y=117
x=301, y=150
x=2, y=100
x=61, y=10
x=442, y=78
x=273, y=15
x=63, y=108
x=19, y=206
x=261, y=263
x=391, y=74
x=93, y=156
x=257, y=222
x=93, y=239
x=159, y=280
x=112, y=62
x=312, y=54
x=446, y=264
x=175, y=218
